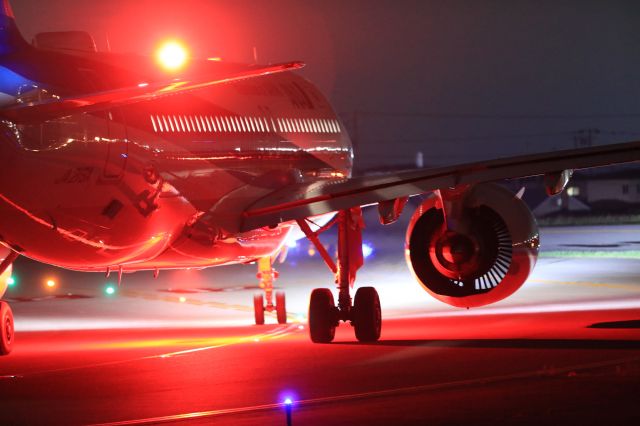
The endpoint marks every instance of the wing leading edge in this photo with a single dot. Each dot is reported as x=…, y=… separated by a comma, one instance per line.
x=310, y=199
x=48, y=110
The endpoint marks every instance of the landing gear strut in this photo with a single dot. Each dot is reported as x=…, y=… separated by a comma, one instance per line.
x=267, y=275
x=364, y=313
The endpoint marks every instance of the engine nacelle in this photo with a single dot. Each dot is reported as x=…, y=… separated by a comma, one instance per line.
x=485, y=260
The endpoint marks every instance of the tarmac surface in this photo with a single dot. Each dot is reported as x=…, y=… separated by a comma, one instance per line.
x=182, y=349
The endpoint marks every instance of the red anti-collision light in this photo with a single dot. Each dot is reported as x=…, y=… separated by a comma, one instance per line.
x=172, y=55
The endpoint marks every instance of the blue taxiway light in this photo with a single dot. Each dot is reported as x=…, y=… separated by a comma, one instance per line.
x=367, y=250
x=288, y=409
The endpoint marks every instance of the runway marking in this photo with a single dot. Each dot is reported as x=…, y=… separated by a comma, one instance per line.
x=589, y=231
x=545, y=372
x=278, y=333
x=10, y=377
x=600, y=254
x=202, y=343
x=621, y=286
x=532, y=308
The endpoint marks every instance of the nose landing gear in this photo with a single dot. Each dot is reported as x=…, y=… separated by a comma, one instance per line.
x=267, y=275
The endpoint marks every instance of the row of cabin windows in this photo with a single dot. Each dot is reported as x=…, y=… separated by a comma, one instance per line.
x=217, y=124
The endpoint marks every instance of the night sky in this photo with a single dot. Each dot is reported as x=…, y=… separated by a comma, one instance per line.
x=457, y=80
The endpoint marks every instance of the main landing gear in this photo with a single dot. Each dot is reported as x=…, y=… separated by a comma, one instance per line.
x=267, y=275
x=6, y=329
x=6, y=316
x=364, y=314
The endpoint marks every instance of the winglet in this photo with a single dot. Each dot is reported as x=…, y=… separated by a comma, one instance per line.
x=10, y=38
x=6, y=9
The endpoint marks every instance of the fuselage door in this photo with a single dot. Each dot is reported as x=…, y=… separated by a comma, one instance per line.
x=117, y=144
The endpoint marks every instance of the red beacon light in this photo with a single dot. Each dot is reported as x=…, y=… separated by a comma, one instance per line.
x=172, y=55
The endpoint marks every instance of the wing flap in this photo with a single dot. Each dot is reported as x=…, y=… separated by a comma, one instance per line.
x=48, y=110
x=311, y=199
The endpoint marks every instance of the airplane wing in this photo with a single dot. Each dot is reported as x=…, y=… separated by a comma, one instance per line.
x=310, y=199
x=56, y=108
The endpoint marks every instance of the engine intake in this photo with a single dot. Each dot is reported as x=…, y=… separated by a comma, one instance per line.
x=486, y=262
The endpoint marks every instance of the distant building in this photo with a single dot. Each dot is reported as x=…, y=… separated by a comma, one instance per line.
x=606, y=190
x=617, y=186
x=558, y=204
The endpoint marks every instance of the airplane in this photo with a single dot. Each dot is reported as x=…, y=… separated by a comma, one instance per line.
x=121, y=163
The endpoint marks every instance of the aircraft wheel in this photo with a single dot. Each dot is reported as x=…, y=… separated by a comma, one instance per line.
x=258, y=308
x=6, y=329
x=281, y=307
x=322, y=321
x=367, y=315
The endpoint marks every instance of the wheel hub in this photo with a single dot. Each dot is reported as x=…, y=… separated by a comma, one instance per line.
x=8, y=330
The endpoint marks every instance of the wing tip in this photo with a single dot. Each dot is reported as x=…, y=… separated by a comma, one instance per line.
x=7, y=10
x=289, y=66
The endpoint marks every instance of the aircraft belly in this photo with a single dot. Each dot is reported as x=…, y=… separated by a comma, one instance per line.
x=188, y=252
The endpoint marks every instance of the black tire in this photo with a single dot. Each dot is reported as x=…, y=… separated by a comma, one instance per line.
x=258, y=308
x=322, y=316
x=7, y=330
x=367, y=315
x=281, y=307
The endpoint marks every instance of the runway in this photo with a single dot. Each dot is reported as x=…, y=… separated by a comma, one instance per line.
x=181, y=349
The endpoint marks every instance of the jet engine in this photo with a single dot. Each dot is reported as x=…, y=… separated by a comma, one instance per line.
x=482, y=253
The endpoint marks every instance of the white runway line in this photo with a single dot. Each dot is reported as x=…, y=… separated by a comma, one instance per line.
x=272, y=335
x=377, y=394
x=604, y=305
x=281, y=332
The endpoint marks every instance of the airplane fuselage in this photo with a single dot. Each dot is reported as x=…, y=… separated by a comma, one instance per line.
x=155, y=185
